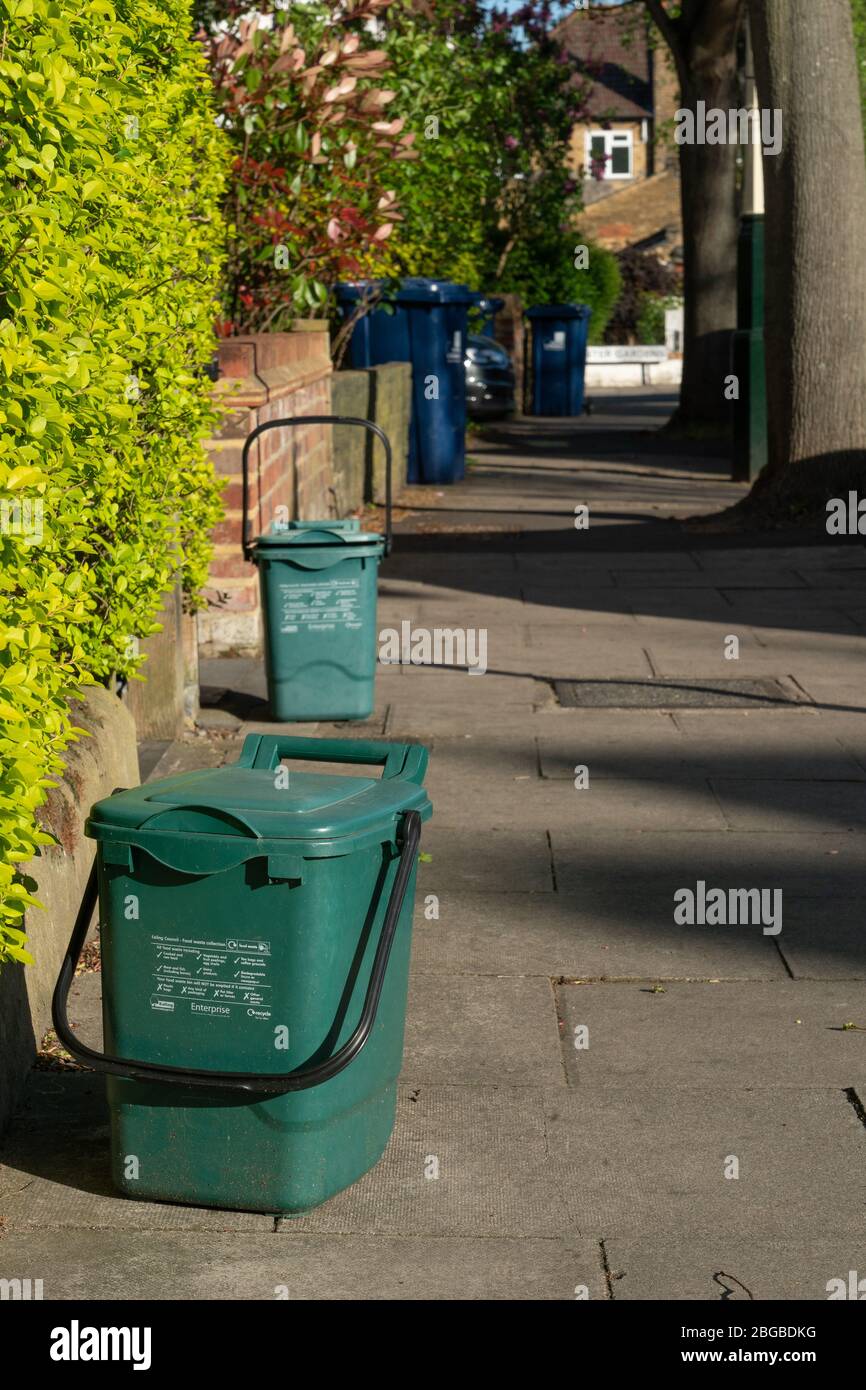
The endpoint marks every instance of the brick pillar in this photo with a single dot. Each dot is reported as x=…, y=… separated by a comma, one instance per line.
x=265, y=377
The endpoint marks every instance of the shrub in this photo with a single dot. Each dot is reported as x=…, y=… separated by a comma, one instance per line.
x=314, y=150
x=491, y=100
x=643, y=276
x=545, y=273
x=651, y=319
x=111, y=168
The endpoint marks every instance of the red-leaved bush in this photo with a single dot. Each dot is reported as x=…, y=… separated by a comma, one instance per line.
x=310, y=201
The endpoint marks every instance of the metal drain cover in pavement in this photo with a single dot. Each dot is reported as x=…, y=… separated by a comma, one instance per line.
x=660, y=692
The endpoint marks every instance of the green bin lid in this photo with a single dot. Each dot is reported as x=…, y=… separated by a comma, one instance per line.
x=293, y=534
x=203, y=821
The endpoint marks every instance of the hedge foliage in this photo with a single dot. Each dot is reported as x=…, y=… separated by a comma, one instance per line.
x=112, y=168
x=552, y=271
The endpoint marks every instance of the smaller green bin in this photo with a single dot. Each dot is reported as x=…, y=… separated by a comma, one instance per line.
x=318, y=584
x=256, y=927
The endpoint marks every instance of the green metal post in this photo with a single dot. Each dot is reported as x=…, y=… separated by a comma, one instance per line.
x=749, y=363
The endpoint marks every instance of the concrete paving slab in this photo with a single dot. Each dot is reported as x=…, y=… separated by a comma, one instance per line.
x=85, y=1007
x=554, y=934
x=552, y=611
x=791, y=805
x=677, y=802
x=448, y=690
x=614, y=743
x=850, y=730
x=832, y=694
x=480, y=1031
x=840, y=646
x=783, y=1034
x=824, y=941
x=188, y=755
x=794, y=743
x=409, y=719
x=652, y=1163
x=677, y=607
x=579, y=559
x=527, y=803
x=585, y=656
x=55, y=1171
x=760, y=743
x=498, y=800
x=638, y=582
x=119, y=1266
x=720, y=1268
x=705, y=657
x=657, y=863
x=761, y=610
x=463, y=1160
x=470, y=761
x=514, y=861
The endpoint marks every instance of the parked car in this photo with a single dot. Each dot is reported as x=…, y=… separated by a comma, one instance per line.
x=489, y=379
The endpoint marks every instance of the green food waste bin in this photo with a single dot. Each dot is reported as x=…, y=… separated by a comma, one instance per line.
x=256, y=924
x=318, y=587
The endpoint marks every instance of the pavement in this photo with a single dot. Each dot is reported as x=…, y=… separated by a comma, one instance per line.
x=621, y=1105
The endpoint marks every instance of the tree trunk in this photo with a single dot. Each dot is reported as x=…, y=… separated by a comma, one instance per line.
x=815, y=331
x=710, y=226
x=703, y=42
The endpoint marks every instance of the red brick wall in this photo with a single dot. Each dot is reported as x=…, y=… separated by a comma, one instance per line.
x=265, y=378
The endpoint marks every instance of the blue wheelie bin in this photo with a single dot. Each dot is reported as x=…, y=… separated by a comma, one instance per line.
x=483, y=314
x=425, y=324
x=558, y=356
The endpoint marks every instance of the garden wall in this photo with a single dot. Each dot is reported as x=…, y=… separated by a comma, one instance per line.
x=264, y=377
x=167, y=698
x=95, y=765
x=384, y=395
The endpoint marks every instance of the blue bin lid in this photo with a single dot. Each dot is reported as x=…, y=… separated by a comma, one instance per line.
x=559, y=311
x=415, y=289
x=350, y=291
x=490, y=302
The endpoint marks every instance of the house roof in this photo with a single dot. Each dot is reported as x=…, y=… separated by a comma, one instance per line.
x=612, y=48
x=640, y=214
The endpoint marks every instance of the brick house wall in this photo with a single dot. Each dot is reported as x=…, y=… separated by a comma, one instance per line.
x=642, y=152
x=634, y=89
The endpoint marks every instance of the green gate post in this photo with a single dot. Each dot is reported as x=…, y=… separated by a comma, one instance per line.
x=750, y=410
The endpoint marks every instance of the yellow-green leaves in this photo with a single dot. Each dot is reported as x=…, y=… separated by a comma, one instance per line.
x=111, y=174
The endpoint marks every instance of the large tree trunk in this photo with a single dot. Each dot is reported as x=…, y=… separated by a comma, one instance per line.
x=815, y=330
x=703, y=42
x=710, y=222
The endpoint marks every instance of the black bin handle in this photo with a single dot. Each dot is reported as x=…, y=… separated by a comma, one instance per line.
x=312, y=420
x=256, y=1083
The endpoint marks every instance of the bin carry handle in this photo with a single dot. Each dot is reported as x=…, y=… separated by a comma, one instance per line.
x=313, y=420
x=256, y=1083
x=405, y=760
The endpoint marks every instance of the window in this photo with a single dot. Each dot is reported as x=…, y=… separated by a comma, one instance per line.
x=614, y=147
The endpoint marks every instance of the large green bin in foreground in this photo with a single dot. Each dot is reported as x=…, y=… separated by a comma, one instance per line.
x=256, y=925
x=318, y=588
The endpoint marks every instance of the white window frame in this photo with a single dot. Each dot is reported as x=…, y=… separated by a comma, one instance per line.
x=611, y=138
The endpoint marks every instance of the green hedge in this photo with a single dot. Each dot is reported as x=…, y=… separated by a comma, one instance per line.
x=112, y=171
x=545, y=273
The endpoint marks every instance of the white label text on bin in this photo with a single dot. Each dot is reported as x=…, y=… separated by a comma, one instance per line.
x=208, y=978
x=320, y=606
